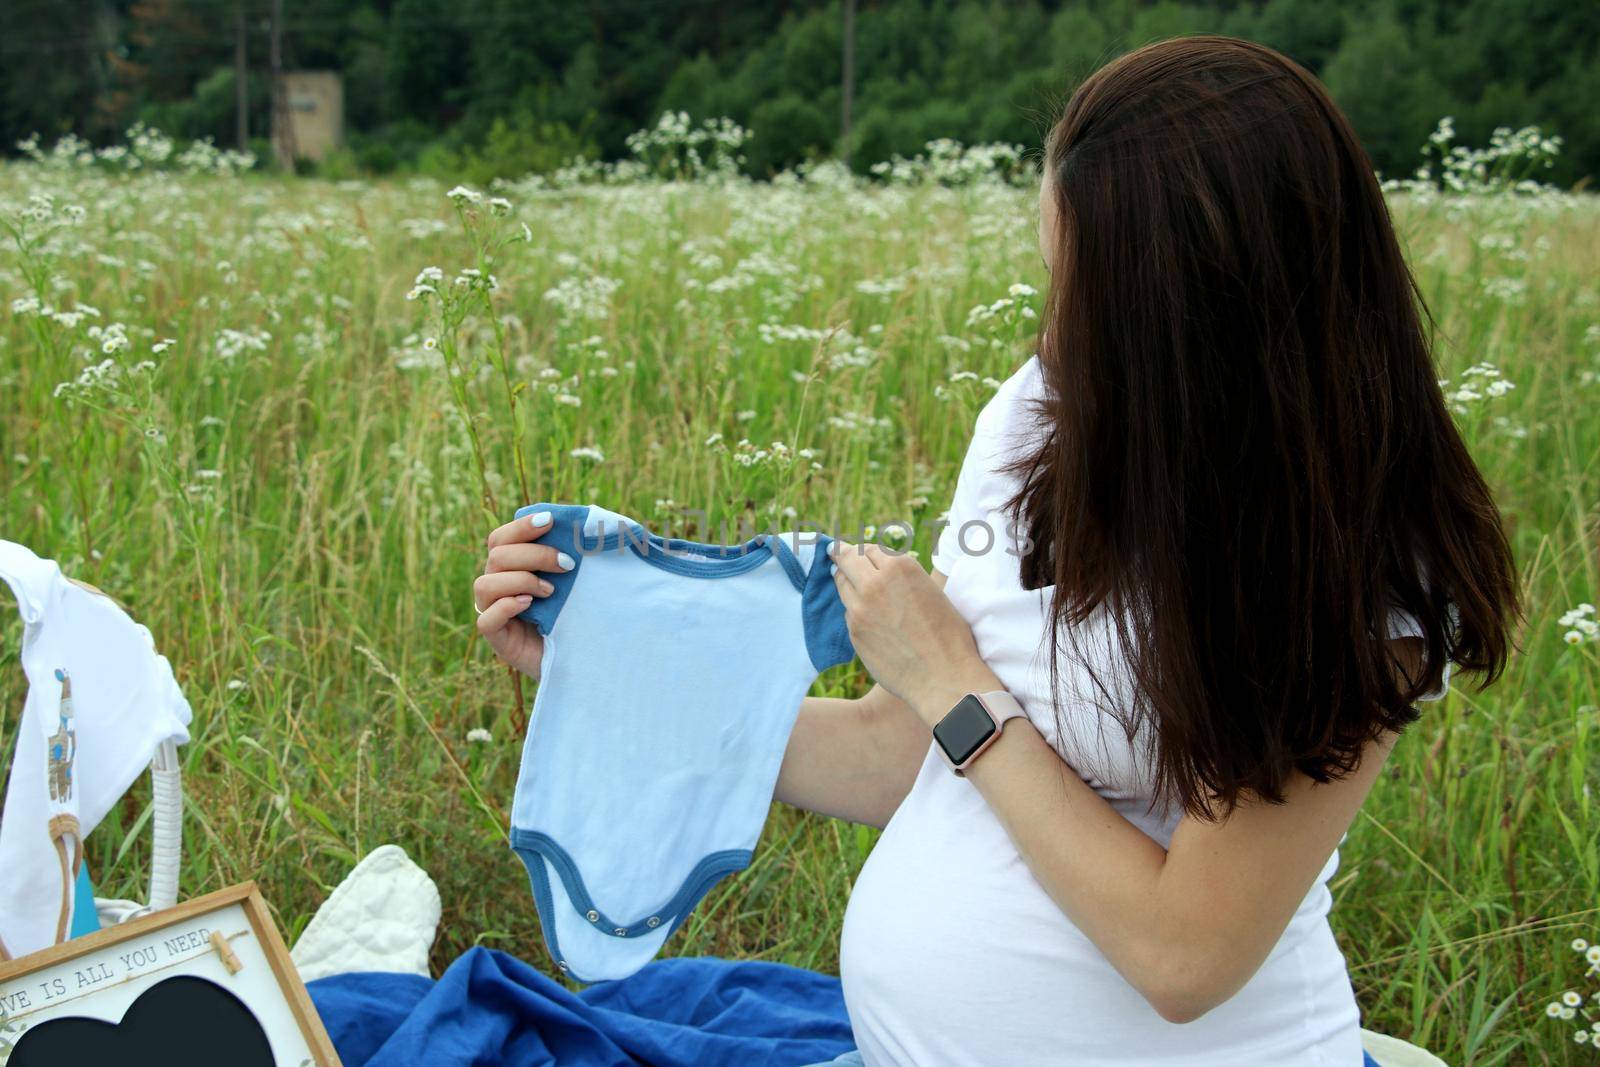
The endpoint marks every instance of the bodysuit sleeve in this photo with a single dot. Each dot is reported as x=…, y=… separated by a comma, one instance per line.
x=827, y=638
x=566, y=535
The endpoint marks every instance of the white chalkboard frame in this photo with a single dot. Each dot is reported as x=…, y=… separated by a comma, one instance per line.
x=101, y=943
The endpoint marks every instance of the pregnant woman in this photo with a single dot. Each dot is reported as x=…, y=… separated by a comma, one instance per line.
x=1207, y=551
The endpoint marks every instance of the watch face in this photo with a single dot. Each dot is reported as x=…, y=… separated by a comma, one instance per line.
x=965, y=728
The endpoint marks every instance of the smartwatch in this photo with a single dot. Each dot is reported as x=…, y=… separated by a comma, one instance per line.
x=972, y=726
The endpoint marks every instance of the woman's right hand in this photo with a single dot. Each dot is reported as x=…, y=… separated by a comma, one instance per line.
x=508, y=585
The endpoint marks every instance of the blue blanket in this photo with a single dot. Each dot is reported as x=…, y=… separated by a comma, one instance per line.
x=490, y=1008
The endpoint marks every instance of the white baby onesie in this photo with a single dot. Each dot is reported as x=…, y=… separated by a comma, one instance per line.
x=100, y=702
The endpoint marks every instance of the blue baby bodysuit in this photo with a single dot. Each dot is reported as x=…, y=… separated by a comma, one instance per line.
x=671, y=677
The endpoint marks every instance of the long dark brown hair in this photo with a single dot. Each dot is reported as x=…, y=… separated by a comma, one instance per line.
x=1248, y=460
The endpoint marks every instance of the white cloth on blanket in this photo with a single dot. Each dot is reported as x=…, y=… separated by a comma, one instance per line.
x=382, y=917
x=75, y=757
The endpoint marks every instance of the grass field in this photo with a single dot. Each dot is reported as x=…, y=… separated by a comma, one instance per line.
x=286, y=468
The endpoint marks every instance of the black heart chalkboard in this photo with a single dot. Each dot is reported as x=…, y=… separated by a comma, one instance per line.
x=178, y=1022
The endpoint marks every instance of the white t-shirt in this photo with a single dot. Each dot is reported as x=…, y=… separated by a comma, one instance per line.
x=953, y=953
x=100, y=702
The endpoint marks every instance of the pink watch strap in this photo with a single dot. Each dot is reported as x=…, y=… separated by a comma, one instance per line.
x=1001, y=706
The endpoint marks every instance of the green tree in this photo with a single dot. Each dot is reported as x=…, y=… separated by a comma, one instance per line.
x=1307, y=31
x=1392, y=101
x=426, y=42
x=453, y=76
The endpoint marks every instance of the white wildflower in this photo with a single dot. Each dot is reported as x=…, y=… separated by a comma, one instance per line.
x=230, y=344
x=1582, y=625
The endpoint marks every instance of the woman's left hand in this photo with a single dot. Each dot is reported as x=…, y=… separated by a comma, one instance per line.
x=906, y=631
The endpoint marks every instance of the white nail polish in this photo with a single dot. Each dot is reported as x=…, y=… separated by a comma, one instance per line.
x=564, y=561
x=539, y=518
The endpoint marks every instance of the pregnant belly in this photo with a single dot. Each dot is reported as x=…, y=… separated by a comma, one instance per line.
x=952, y=953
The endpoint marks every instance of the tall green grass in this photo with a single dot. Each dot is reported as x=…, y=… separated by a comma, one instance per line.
x=297, y=511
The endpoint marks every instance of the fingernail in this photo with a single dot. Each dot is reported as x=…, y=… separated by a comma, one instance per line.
x=539, y=518
x=833, y=568
x=525, y=599
x=564, y=561
x=545, y=587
